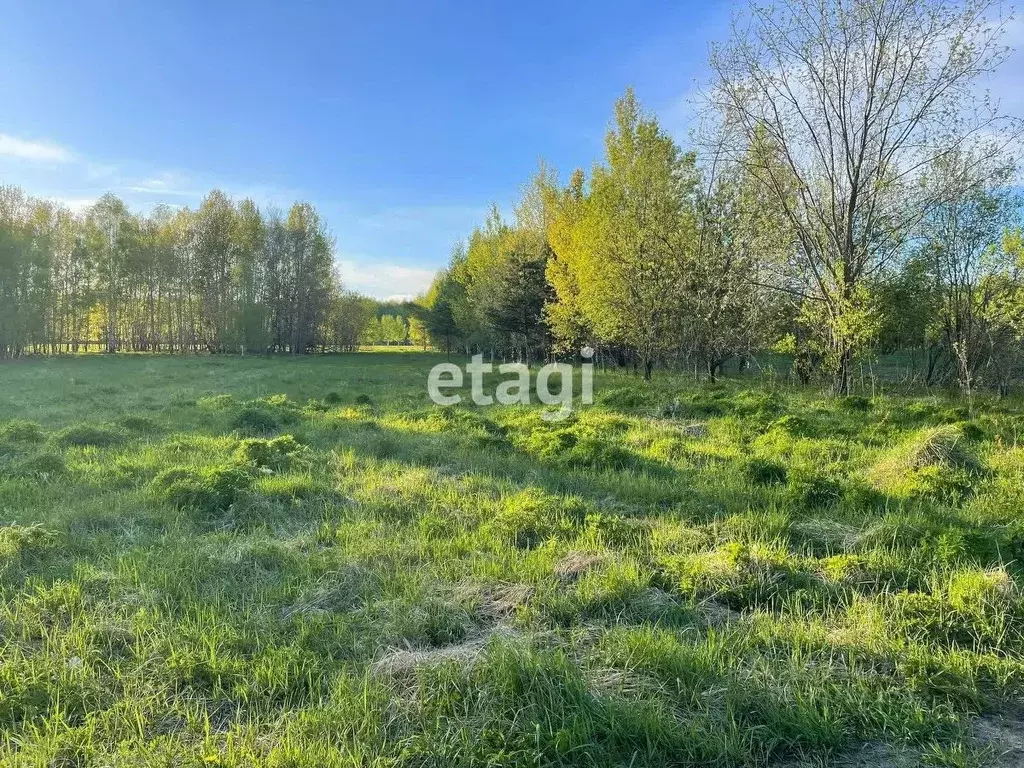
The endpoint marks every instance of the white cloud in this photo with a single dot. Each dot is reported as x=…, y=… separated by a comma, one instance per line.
x=76, y=204
x=383, y=281
x=168, y=183
x=35, y=151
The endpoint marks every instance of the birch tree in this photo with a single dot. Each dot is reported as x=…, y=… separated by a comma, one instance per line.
x=860, y=97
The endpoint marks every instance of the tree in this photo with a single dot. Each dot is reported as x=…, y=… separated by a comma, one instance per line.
x=444, y=295
x=961, y=244
x=248, y=278
x=393, y=329
x=728, y=309
x=624, y=252
x=419, y=335
x=858, y=97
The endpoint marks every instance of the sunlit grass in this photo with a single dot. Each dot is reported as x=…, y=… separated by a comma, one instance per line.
x=235, y=562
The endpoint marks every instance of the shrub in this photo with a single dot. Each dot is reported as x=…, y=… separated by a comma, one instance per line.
x=364, y=400
x=764, y=472
x=21, y=431
x=81, y=435
x=332, y=398
x=209, y=490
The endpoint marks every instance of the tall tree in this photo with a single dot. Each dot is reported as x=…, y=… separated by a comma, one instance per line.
x=627, y=250
x=859, y=97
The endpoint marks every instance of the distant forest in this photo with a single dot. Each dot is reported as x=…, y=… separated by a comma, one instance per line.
x=850, y=190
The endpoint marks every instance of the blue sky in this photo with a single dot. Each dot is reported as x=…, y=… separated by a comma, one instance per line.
x=401, y=121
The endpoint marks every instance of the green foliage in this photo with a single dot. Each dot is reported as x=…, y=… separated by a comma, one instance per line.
x=41, y=465
x=764, y=472
x=526, y=520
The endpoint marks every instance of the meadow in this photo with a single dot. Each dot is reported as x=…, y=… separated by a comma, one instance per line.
x=303, y=563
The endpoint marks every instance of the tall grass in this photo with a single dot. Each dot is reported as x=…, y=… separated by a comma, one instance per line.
x=237, y=562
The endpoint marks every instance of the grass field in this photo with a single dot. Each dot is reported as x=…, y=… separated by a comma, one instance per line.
x=303, y=562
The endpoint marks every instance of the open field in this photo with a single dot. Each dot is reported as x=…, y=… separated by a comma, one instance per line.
x=303, y=562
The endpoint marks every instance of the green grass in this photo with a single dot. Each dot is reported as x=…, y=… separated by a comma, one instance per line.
x=303, y=562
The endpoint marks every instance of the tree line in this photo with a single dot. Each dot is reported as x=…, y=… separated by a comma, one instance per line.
x=850, y=190
x=225, y=277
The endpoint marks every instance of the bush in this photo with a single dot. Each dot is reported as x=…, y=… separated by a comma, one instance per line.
x=364, y=400
x=332, y=398
x=81, y=435
x=209, y=490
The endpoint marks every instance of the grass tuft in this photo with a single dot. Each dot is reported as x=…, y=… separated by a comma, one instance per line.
x=84, y=435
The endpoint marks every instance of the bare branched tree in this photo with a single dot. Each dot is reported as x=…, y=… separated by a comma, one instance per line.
x=857, y=98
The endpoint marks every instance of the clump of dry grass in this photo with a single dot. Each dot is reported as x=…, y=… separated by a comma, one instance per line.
x=932, y=460
x=398, y=662
x=576, y=563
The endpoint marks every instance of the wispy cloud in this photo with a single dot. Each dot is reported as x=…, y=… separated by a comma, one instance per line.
x=167, y=183
x=34, y=151
x=76, y=204
x=383, y=281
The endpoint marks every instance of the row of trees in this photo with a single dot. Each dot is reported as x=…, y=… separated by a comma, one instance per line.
x=393, y=327
x=850, y=190
x=225, y=277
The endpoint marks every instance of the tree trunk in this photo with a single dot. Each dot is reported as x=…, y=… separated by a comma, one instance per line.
x=844, y=373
